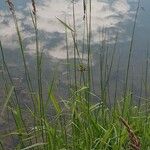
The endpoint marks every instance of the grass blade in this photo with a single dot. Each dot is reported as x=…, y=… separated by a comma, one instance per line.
x=7, y=101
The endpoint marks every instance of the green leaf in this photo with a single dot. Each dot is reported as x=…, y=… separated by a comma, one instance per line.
x=55, y=103
x=84, y=88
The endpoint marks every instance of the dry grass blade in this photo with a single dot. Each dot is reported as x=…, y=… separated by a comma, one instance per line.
x=135, y=142
x=67, y=26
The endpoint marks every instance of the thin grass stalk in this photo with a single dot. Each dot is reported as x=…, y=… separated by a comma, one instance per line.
x=106, y=70
x=11, y=80
x=146, y=80
x=129, y=56
x=65, y=133
x=110, y=69
x=22, y=49
x=101, y=72
x=20, y=126
x=75, y=70
x=74, y=48
x=6, y=90
x=9, y=75
x=27, y=75
x=132, y=94
x=1, y=145
x=81, y=78
x=109, y=96
x=62, y=122
x=86, y=20
x=83, y=69
x=68, y=62
x=146, y=73
x=112, y=60
x=141, y=91
x=89, y=49
x=92, y=77
x=12, y=84
x=38, y=67
x=83, y=39
x=106, y=64
x=116, y=82
x=5, y=87
x=50, y=89
x=38, y=54
x=11, y=105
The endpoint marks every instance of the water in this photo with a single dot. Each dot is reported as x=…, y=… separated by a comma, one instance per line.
x=115, y=15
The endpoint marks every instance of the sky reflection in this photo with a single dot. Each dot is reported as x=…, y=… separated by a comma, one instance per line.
x=108, y=14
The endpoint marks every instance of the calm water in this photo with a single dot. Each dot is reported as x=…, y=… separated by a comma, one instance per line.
x=115, y=15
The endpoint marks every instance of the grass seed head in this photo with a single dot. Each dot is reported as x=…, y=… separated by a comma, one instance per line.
x=34, y=7
x=11, y=6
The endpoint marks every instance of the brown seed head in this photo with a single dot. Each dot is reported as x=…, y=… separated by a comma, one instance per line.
x=11, y=6
x=84, y=9
x=34, y=7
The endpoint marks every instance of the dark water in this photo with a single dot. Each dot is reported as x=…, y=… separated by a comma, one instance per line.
x=115, y=15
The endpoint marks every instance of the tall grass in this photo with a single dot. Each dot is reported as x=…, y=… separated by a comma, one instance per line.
x=130, y=53
x=77, y=123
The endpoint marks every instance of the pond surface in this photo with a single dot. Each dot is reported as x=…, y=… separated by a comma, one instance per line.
x=117, y=16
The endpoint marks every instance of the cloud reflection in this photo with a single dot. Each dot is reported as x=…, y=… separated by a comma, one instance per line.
x=104, y=14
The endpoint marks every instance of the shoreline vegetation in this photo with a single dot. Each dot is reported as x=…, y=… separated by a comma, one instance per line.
x=75, y=123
